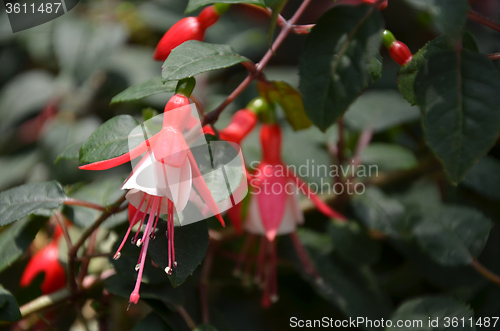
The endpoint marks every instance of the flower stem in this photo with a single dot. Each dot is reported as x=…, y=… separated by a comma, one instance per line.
x=213, y=116
x=76, y=202
x=187, y=318
x=485, y=272
x=476, y=17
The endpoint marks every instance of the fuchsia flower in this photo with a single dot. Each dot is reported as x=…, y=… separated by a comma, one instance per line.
x=274, y=210
x=175, y=171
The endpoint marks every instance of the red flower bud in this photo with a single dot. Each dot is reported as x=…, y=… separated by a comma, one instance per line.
x=242, y=123
x=46, y=261
x=270, y=139
x=400, y=53
x=188, y=28
x=382, y=6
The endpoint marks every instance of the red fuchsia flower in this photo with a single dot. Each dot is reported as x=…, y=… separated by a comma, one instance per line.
x=46, y=261
x=175, y=171
x=188, y=28
x=382, y=6
x=274, y=210
x=398, y=50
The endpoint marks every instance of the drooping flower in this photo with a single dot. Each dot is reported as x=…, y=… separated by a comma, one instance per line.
x=162, y=181
x=274, y=210
x=46, y=261
x=188, y=28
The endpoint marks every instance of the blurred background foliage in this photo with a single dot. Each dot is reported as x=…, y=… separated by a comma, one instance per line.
x=56, y=83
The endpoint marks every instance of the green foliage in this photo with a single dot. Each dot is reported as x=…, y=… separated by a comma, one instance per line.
x=24, y=200
x=14, y=240
x=191, y=242
x=453, y=235
x=348, y=38
x=461, y=114
x=9, y=311
x=144, y=89
x=195, y=57
x=440, y=309
x=110, y=140
x=196, y=4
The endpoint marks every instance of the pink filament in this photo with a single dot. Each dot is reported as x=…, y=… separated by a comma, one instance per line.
x=134, y=297
x=132, y=223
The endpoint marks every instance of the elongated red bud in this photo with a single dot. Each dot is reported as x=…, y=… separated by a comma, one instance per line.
x=400, y=53
x=270, y=139
x=241, y=125
x=188, y=28
x=382, y=6
x=45, y=261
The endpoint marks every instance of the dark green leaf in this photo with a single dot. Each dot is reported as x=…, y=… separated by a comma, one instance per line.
x=388, y=157
x=436, y=310
x=379, y=212
x=9, y=310
x=13, y=169
x=144, y=89
x=453, y=235
x=276, y=8
x=458, y=95
x=24, y=200
x=379, y=111
x=152, y=322
x=195, y=4
x=484, y=178
x=103, y=193
x=376, y=67
x=353, y=290
x=191, y=243
x=408, y=73
x=195, y=57
x=451, y=15
x=290, y=101
x=110, y=140
x=72, y=152
x=353, y=244
x=14, y=240
x=336, y=63
x=165, y=293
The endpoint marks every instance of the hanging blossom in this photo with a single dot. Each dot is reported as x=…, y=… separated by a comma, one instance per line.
x=175, y=171
x=274, y=212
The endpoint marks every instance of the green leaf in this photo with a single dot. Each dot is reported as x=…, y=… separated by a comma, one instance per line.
x=144, y=89
x=22, y=96
x=376, y=67
x=165, y=293
x=9, y=310
x=453, y=235
x=352, y=289
x=379, y=212
x=451, y=15
x=72, y=152
x=353, y=244
x=388, y=157
x=379, y=110
x=336, y=63
x=191, y=243
x=195, y=57
x=196, y=4
x=103, y=193
x=423, y=311
x=152, y=322
x=110, y=140
x=484, y=178
x=408, y=73
x=14, y=240
x=276, y=7
x=458, y=95
x=290, y=101
x=24, y=200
